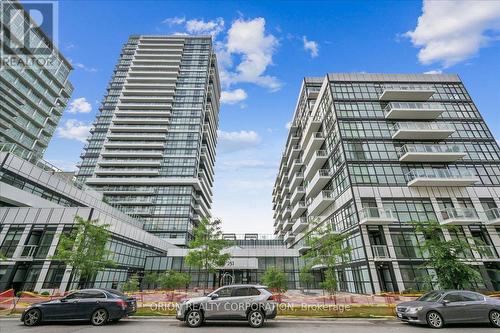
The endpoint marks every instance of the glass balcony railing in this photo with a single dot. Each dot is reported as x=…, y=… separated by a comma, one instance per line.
x=459, y=214
x=420, y=148
x=380, y=252
x=450, y=174
x=409, y=87
x=413, y=106
x=493, y=214
x=487, y=251
x=375, y=213
x=421, y=126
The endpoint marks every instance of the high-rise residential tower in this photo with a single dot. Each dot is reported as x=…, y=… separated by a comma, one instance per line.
x=152, y=148
x=34, y=88
x=369, y=153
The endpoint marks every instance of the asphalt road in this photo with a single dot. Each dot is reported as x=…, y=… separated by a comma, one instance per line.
x=288, y=326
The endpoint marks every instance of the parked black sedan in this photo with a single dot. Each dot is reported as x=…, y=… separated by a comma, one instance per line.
x=438, y=308
x=98, y=306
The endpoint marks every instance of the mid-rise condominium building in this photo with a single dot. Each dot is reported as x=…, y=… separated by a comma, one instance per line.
x=152, y=148
x=369, y=153
x=33, y=94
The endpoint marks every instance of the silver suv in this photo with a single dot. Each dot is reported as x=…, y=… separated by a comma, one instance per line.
x=253, y=303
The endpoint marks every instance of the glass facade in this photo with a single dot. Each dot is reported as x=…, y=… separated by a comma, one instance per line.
x=32, y=96
x=152, y=148
x=390, y=149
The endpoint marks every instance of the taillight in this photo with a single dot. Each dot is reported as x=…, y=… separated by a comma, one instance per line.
x=121, y=303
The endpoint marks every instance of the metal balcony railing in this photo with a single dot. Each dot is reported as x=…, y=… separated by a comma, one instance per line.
x=487, y=251
x=492, y=214
x=376, y=213
x=420, y=148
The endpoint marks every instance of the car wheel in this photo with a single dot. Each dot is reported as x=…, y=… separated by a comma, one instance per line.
x=256, y=318
x=99, y=317
x=32, y=317
x=434, y=320
x=194, y=318
x=495, y=318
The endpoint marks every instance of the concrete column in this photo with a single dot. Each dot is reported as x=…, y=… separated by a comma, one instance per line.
x=435, y=206
x=376, y=282
x=392, y=254
x=46, y=263
x=19, y=248
x=65, y=279
x=398, y=276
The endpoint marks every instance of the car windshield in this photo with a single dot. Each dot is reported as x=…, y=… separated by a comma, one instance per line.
x=433, y=296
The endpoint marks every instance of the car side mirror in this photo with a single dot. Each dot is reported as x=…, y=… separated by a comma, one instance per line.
x=445, y=302
x=63, y=300
x=214, y=296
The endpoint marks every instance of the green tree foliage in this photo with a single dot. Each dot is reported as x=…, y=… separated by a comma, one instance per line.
x=275, y=279
x=305, y=277
x=84, y=248
x=151, y=279
x=328, y=250
x=132, y=284
x=171, y=280
x=206, y=249
x=446, y=257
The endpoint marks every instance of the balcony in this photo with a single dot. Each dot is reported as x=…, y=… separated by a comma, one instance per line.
x=487, y=252
x=297, y=194
x=374, y=215
x=440, y=177
x=318, y=160
x=430, y=153
x=138, y=128
x=296, y=165
x=129, y=162
x=314, y=143
x=298, y=209
x=287, y=225
x=134, y=144
x=493, y=216
x=312, y=126
x=126, y=172
x=321, y=202
x=140, y=120
x=293, y=153
x=406, y=92
x=287, y=212
x=289, y=237
x=297, y=179
x=421, y=131
x=320, y=179
x=416, y=111
x=303, y=249
x=380, y=252
x=131, y=153
x=459, y=216
x=299, y=225
x=27, y=254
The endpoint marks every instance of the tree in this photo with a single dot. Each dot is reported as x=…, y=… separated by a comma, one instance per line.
x=151, y=279
x=171, y=280
x=305, y=277
x=328, y=250
x=276, y=280
x=84, y=249
x=446, y=257
x=206, y=248
x=132, y=284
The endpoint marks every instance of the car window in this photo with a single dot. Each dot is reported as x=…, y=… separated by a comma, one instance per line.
x=471, y=297
x=453, y=297
x=93, y=294
x=253, y=292
x=432, y=296
x=224, y=292
x=238, y=292
x=71, y=296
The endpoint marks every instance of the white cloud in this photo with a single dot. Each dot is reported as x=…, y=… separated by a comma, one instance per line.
x=248, y=40
x=311, y=46
x=238, y=140
x=452, y=31
x=434, y=71
x=174, y=21
x=79, y=65
x=200, y=27
x=80, y=105
x=74, y=130
x=233, y=96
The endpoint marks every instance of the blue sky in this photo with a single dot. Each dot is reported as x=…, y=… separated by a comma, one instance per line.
x=265, y=49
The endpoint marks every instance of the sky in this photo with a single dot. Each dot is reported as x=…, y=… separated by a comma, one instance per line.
x=264, y=51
